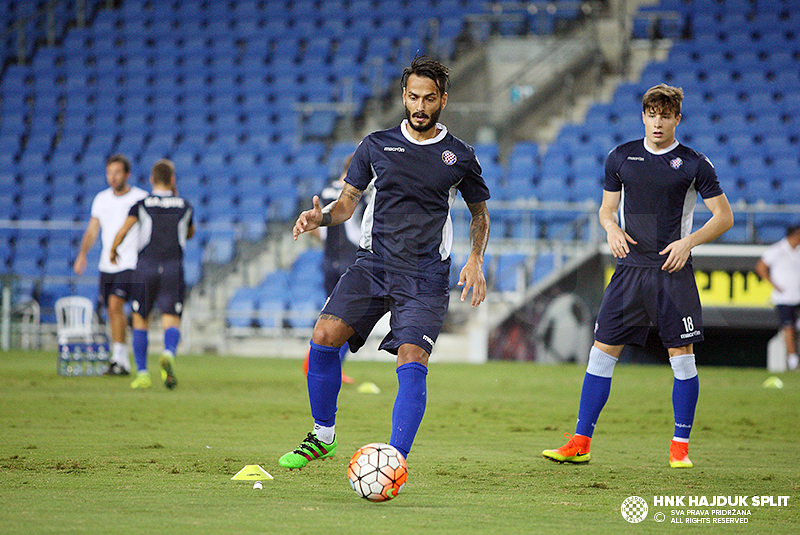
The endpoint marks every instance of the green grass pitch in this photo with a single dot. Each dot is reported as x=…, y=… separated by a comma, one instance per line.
x=90, y=455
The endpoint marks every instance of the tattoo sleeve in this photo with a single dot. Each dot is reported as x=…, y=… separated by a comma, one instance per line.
x=348, y=199
x=479, y=227
x=351, y=193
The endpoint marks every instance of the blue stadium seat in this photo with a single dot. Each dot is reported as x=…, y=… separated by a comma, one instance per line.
x=789, y=191
x=760, y=190
x=543, y=266
x=242, y=308
x=511, y=273
x=271, y=312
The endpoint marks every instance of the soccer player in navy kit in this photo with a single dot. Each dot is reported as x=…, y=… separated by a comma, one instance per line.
x=165, y=223
x=403, y=262
x=657, y=181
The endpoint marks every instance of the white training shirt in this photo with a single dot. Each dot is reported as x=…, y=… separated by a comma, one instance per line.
x=112, y=211
x=784, y=270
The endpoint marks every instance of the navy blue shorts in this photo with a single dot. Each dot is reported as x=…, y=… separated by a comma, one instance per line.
x=158, y=285
x=638, y=297
x=787, y=314
x=418, y=306
x=118, y=284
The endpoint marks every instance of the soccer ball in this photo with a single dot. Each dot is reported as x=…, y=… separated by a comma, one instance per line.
x=377, y=472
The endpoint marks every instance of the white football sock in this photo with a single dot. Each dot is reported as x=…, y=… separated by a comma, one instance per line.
x=120, y=355
x=325, y=434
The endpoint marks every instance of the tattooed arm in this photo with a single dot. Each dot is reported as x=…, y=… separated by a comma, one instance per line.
x=334, y=213
x=472, y=274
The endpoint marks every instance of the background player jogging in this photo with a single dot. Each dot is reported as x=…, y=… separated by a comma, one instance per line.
x=403, y=262
x=109, y=210
x=165, y=221
x=657, y=181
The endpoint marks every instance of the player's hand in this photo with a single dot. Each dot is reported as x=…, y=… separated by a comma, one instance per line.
x=618, y=241
x=308, y=220
x=114, y=256
x=80, y=264
x=677, y=255
x=472, y=277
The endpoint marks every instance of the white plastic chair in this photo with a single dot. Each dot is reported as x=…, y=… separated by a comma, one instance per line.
x=74, y=320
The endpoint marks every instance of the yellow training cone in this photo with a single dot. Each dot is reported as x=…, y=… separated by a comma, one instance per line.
x=773, y=382
x=252, y=471
x=368, y=388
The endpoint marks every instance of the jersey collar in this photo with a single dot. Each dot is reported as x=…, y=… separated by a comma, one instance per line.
x=662, y=151
x=162, y=193
x=440, y=136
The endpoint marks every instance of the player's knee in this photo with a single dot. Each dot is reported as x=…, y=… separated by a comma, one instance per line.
x=412, y=353
x=115, y=305
x=326, y=334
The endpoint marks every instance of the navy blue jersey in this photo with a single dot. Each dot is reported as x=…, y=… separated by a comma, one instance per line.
x=659, y=193
x=164, y=223
x=406, y=226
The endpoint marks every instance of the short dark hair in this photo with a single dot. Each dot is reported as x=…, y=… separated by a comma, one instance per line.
x=791, y=229
x=126, y=163
x=663, y=97
x=163, y=171
x=429, y=68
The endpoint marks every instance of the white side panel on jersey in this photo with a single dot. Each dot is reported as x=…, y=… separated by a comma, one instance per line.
x=621, y=208
x=183, y=228
x=447, y=230
x=369, y=215
x=145, y=228
x=687, y=217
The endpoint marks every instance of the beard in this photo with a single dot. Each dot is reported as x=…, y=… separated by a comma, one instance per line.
x=423, y=127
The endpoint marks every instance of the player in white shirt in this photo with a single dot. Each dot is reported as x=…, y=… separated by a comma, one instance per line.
x=780, y=265
x=109, y=210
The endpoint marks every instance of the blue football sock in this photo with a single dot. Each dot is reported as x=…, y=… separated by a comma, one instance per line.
x=685, y=391
x=171, y=338
x=684, y=402
x=140, y=349
x=343, y=351
x=409, y=405
x=595, y=391
x=324, y=381
x=594, y=395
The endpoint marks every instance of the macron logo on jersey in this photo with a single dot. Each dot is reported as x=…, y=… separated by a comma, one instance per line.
x=636, y=158
x=394, y=149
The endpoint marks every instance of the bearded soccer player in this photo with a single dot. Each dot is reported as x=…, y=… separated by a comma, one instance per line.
x=654, y=184
x=109, y=211
x=403, y=262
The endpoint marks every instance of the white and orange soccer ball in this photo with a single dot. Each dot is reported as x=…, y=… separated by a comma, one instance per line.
x=377, y=472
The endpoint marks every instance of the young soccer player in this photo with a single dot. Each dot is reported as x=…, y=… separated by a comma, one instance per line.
x=166, y=223
x=403, y=263
x=656, y=180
